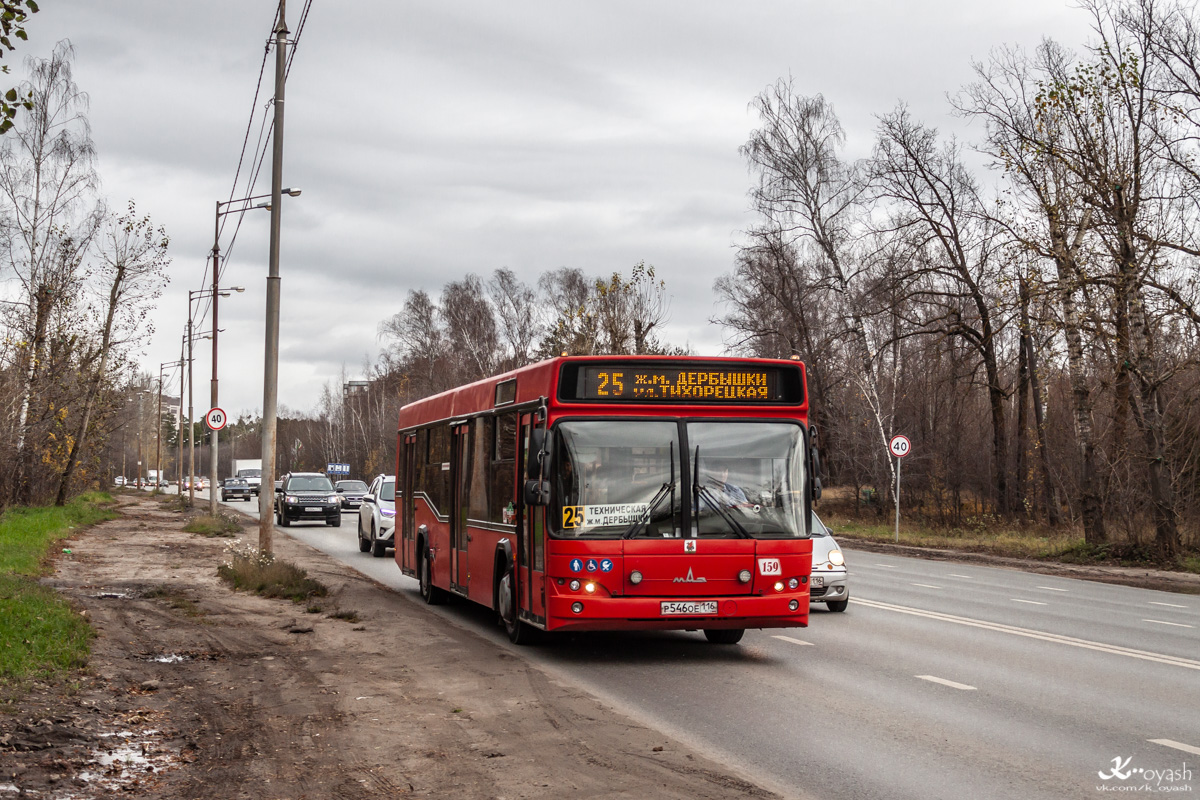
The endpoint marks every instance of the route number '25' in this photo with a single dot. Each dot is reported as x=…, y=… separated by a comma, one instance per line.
x=615, y=379
x=573, y=516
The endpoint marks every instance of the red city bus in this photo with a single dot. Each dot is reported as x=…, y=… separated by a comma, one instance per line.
x=602, y=493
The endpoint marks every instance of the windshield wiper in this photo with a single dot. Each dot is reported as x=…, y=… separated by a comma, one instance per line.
x=703, y=491
x=654, y=503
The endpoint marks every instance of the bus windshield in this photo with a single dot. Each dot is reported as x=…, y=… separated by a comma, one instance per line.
x=626, y=478
x=748, y=479
x=617, y=478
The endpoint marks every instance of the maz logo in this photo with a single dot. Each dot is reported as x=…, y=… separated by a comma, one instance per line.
x=690, y=578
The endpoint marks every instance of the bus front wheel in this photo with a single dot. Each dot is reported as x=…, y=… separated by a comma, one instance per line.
x=518, y=632
x=725, y=635
x=432, y=594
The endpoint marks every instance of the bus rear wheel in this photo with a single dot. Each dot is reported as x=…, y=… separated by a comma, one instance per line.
x=725, y=635
x=432, y=594
x=506, y=596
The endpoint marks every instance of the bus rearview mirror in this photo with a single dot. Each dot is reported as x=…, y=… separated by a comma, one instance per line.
x=537, y=453
x=537, y=493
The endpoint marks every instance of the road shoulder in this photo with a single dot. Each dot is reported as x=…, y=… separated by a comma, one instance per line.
x=196, y=691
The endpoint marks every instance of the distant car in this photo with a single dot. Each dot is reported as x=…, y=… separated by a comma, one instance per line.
x=119, y=480
x=828, y=582
x=351, y=492
x=236, y=489
x=307, y=495
x=377, y=517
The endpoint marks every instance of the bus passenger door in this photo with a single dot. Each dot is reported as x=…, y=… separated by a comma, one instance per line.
x=406, y=545
x=530, y=555
x=460, y=476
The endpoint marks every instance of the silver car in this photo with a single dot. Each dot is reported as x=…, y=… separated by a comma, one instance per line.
x=828, y=583
x=377, y=516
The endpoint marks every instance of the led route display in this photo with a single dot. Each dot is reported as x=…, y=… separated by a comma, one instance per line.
x=700, y=383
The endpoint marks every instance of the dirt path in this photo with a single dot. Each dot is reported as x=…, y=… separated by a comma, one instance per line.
x=194, y=691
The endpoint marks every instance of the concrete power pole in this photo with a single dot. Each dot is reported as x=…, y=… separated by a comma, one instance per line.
x=266, y=493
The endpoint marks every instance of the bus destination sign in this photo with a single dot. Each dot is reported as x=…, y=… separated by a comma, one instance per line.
x=701, y=383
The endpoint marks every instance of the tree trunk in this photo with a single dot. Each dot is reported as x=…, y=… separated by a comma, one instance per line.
x=1022, y=397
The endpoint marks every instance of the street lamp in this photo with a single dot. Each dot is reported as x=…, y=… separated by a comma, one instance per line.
x=158, y=455
x=194, y=295
x=240, y=205
x=190, y=337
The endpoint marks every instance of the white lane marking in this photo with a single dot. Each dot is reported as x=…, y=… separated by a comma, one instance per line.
x=1172, y=624
x=1030, y=602
x=793, y=641
x=968, y=577
x=945, y=682
x=1056, y=638
x=927, y=585
x=1187, y=748
x=1168, y=605
x=1053, y=589
x=887, y=566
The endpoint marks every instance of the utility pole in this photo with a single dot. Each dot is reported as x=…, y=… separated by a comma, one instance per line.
x=266, y=494
x=158, y=429
x=191, y=423
x=216, y=295
x=179, y=442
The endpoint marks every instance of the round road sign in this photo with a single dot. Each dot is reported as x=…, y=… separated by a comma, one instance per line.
x=215, y=419
x=900, y=446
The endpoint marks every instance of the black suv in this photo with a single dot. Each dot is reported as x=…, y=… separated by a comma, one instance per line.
x=307, y=495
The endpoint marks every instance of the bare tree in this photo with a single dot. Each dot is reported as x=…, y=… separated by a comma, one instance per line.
x=573, y=328
x=808, y=193
x=474, y=345
x=1051, y=220
x=935, y=199
x=517, y=314
x=47, y=185
x=133, y=257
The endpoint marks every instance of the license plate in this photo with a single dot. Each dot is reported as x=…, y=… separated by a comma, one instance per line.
x=671, y=607
x=311, y=510
x=818, y=580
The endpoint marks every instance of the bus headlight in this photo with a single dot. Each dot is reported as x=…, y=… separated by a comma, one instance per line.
x=574, y=586
x=635, y=577
x=744, y=576
x=793, y=605
x=779, y=586
x=589, y=587
x=577, y=608
x=793, y=583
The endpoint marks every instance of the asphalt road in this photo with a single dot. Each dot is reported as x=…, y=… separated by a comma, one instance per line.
x=942, y=680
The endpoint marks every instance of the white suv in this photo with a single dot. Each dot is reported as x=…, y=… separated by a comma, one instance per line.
x=377, y=516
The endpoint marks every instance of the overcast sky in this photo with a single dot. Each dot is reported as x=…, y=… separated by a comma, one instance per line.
x=434, y=139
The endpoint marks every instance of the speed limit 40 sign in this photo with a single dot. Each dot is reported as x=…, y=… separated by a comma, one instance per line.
x=215, y=419
x=900, y=446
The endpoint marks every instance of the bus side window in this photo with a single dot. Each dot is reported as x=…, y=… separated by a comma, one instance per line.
x=437, y=478
x=420, y=470
x=478, y=492
x=502, y=472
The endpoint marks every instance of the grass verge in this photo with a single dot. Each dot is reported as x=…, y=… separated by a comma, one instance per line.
x=40, y=634
x=1066, y=546
x=208, y=525
x=246, y=569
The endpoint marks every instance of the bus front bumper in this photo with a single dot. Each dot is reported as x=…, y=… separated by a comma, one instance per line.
x=596, y=613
